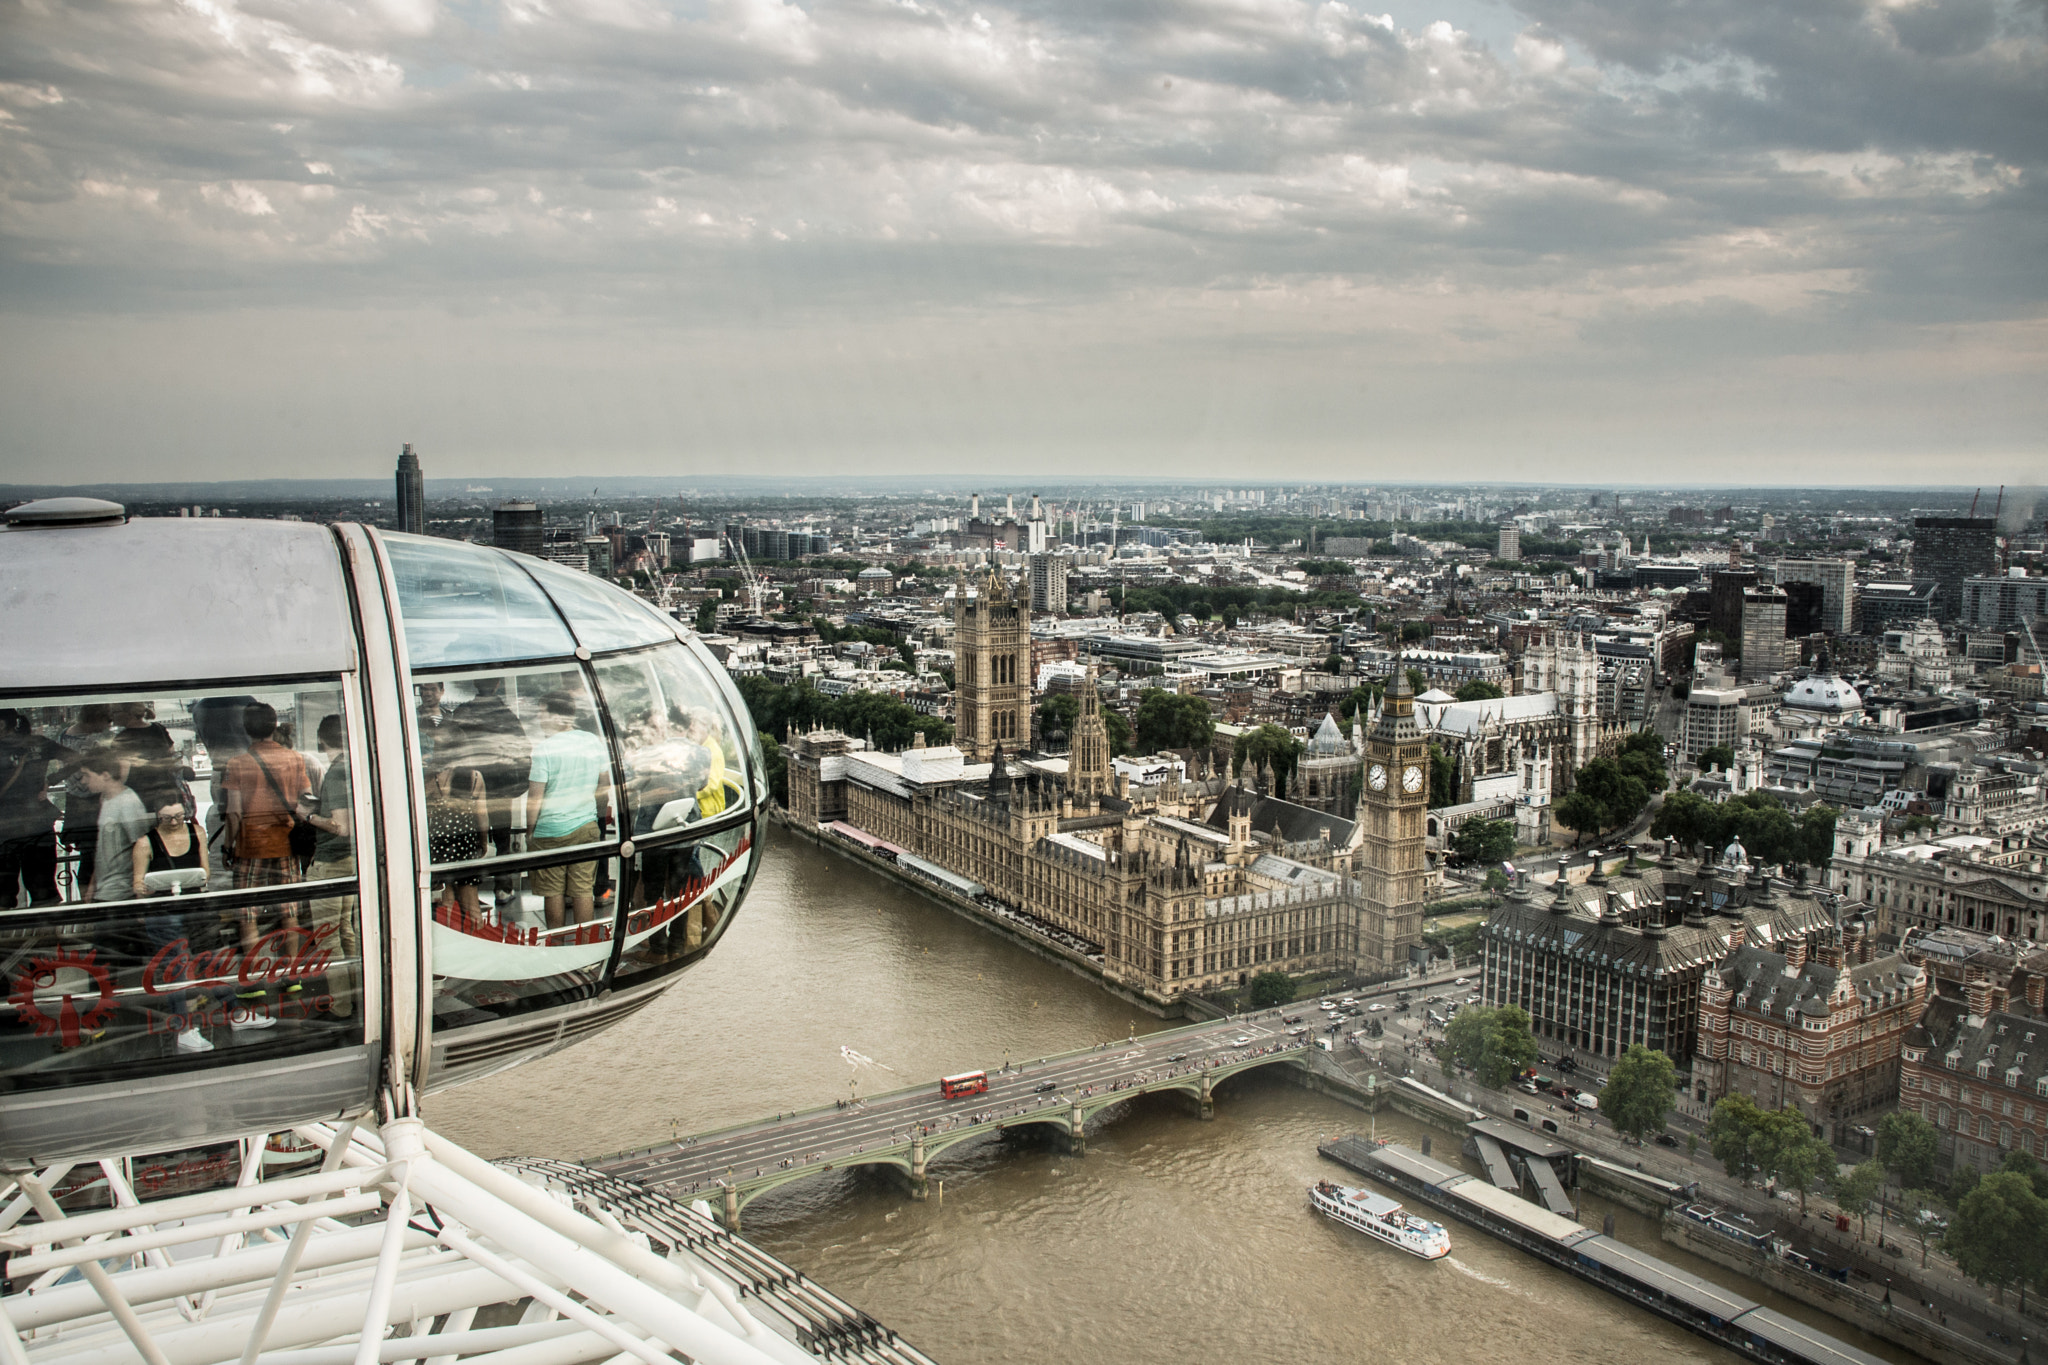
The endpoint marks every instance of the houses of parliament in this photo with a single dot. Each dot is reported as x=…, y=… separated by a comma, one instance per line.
x=1177, y=892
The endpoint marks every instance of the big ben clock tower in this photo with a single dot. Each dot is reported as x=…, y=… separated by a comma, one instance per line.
x=1391, y=811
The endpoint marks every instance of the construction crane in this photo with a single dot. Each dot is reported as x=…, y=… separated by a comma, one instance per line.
x=2028, y=626
x=751, y=593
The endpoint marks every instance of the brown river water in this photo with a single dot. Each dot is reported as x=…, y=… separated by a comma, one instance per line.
x=1171, y=1240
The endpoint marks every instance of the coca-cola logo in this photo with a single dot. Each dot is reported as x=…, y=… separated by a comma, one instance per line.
x=67, y=994
x=282, y=955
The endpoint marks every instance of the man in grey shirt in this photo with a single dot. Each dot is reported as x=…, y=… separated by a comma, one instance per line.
x=122, y=821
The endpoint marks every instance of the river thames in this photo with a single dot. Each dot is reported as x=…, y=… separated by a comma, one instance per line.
x=1171, y=1240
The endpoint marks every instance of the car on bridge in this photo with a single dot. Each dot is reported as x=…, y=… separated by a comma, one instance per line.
x=1044, y=1086
x=1178, y=1057
x=1241, y=1040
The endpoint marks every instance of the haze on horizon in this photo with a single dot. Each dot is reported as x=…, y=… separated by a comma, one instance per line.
x=1242, y=240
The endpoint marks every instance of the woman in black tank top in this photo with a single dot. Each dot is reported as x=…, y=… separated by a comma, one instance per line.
x=173, y=844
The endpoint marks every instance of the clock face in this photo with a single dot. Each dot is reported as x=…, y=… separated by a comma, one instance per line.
x=1411, y=778
x=1378, y=777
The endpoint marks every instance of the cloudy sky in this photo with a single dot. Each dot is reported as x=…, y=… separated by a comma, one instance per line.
x=1695, y=240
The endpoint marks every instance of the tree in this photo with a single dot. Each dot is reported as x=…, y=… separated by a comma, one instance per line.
x=1641, y=757
x=1443, y=779
x=1794, y=1155
x=1418, y=681
x=1168, y=720
x=1118, y=730
x=1715, y=756
x=1485, y=841
x=1267, y=748
x=1687, y=817
x=2019, y=1163
x=1479, y=690
x=1917, y=1206
x=1637, y=1099
x=1058, y=712
x=1360, y=698
x=1858, y=1190
x=2000, y=1233
x=777, y=766
x=1581, y=813
x=1909, y=1147
x=1270, y=989
x=1616, y=795
x=1495, y=1043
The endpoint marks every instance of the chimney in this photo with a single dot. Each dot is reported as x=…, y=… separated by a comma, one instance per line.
x=1977, y=991
x=1856, y=939
x=1832, y=952
x=2037, y=991
x=1561, y=900
x=1795, y=956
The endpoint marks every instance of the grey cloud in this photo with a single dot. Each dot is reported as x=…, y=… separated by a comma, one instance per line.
x=1729, y=179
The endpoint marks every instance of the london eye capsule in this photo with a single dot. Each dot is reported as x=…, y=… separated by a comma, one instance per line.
x=292, y=815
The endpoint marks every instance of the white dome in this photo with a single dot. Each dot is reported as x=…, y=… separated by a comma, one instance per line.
x=1823, y=692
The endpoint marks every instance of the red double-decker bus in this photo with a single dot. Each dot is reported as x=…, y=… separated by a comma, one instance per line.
x=966, y=1083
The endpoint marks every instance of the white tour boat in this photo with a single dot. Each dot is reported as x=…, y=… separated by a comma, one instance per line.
x=1378, y=1216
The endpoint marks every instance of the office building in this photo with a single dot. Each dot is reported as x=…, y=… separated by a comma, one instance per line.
x=597, y=551
x=518, y=526
x=1622, y=960
x=1976, y=1066
x=658, y=548
x=1837, y=580
x=1881, y=606
x=1725, y=611
x=1813, y=1027
x=1714, y=716
x=1805, y=611
x=412, y=494
x=1991, y=603
x=1049, y=583
x=1510, y=547
x=1763, y=632
x=1948, y=550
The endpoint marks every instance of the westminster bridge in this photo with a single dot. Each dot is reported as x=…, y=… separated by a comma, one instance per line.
x=907, y=1129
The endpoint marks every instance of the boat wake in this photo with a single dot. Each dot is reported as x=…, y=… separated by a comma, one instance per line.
x=859, y=1061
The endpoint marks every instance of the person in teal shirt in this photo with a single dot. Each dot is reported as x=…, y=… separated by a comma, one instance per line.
x=568, y=793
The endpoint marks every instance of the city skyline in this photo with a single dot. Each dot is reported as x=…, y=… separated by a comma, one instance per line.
x=1555, y=238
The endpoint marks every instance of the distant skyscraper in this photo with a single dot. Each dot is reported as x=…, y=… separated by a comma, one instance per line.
x=1763, y=632
x=1837, y=580
x=597, y=551
x=1510, y=544
x=1947, y=550
x=412, y=493
x=1049, y=583
x=517, y=526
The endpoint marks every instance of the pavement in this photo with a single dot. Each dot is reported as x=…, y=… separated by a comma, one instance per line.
x=1937, y=1291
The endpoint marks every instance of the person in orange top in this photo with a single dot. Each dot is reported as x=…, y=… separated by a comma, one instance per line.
x=261, y=789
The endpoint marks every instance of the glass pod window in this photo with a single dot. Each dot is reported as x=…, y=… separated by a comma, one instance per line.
x=177, y=880
x=683, y=759
x=521, y=806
